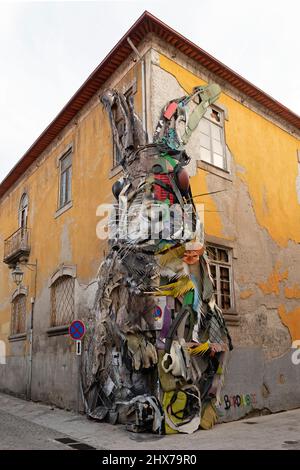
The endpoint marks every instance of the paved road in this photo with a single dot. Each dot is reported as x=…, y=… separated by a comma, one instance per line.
x=17, y=434
x=28, y=425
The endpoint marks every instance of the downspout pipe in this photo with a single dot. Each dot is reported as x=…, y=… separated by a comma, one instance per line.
x=143, y=67
x=33, y=300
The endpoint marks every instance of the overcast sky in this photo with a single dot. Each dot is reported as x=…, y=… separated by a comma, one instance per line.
x=48, y=49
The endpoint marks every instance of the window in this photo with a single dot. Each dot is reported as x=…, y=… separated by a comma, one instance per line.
x=221, y=270
x=65, y=186
x=62, y=301
x=18, y=315
x=23, y=211
x=120, y=125
x=212, y=141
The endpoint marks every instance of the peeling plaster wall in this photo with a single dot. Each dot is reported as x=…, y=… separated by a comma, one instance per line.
x=258, y=215
x=68, y=239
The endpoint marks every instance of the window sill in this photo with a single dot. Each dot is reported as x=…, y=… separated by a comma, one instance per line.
x=58, y=330
x=231, y=318
x=214, y=170
x=63, y=209
x=17, y=337
x=115, y=171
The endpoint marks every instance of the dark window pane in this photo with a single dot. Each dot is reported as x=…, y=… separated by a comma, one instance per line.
x=225, y=302
x=215, y=115
x=224, y=273
x=225, y=287
x=222, y=255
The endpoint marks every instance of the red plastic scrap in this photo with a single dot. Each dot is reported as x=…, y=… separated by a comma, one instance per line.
x=161, y=194
x=169, y=112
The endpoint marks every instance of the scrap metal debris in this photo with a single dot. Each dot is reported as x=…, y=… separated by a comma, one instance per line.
x=156, y=350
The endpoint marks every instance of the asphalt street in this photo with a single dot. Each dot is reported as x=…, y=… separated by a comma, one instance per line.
x=19, y=434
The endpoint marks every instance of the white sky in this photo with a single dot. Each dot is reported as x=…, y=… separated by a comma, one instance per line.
x=47, y=50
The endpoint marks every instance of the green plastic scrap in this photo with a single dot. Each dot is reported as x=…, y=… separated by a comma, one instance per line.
x=188, y=298
x=171, y=160
x=208, y=96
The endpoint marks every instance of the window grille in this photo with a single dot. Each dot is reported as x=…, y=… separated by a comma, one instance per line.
x=62, y=301
x=18, y=317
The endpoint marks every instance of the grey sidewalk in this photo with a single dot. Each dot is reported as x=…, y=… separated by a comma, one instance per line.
x=33, y=425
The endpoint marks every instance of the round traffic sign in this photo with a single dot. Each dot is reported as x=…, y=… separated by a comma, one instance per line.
x=157, y=313
x=77, y=329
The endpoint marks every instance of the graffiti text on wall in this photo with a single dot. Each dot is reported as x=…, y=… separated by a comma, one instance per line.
x=237, y=401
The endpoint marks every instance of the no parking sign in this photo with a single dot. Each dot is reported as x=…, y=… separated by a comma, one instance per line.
x=77, y=332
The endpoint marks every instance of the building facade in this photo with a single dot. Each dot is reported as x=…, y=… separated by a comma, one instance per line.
x=245, y=171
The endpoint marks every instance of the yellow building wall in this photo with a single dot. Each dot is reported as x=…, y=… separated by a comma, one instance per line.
x=265, y=156
x=268, y=156
x=70, y=238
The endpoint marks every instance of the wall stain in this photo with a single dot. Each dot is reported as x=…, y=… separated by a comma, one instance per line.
x=271, y=286
x=291, y=320
x=292, y=292
x=246, y=294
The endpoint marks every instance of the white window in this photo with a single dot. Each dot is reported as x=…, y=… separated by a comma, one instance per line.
x=220, y=261
x=65, y=186
x=212, y=141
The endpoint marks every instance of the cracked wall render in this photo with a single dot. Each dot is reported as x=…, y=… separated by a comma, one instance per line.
x=269, y=156
x=258, y=213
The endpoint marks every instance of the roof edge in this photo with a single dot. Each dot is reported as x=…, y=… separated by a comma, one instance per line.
x=145, y=24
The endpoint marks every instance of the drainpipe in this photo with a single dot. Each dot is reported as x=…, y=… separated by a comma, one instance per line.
x=143, y=67
x=33, y=299
x=29, y=380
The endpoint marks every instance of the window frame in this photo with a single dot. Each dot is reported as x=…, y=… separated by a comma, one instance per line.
x=68, y=174
x=55, y=315
x=20, y=292
x=221, y=126
x=23, y=211
x=218, y=264
x=62, y=271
